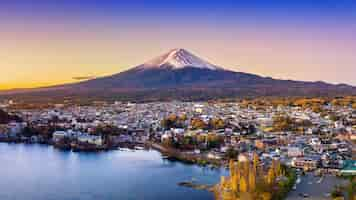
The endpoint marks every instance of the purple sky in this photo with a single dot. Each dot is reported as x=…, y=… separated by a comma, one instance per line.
x=45, y=43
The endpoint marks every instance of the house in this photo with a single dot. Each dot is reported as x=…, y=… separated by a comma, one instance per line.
x=315, y=142
x=167, y=136
x=214, y=155
x=34, y=139
x=243, y=157
x=331, y=161
x=15, y=128
x=177, y=130
x=91, y=139
x=264, y=143
x=59, y=135
x=295, y=152
x=306, y=163
x=116, y=139
x=3, y=131
x=349, y=167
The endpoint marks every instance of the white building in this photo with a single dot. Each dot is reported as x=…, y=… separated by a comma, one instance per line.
x=59, y=135
x=91, y=139
x=295, y=152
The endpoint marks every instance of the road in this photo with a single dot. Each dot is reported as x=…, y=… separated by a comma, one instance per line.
x=318, y=188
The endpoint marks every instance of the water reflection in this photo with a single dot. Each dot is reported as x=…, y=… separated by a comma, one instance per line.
x=43, y=173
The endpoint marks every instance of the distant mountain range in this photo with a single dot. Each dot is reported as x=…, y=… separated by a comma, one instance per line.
x=181, y=75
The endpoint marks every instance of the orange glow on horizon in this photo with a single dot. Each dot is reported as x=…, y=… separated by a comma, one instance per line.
x=37, y=59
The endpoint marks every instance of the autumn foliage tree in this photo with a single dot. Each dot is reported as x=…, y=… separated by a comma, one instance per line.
x=248, y=181
x=283, y=123
x=173, y=121
x=216, y=123
x=197, y=123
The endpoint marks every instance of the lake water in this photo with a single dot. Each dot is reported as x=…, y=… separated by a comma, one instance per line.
x=40, y=172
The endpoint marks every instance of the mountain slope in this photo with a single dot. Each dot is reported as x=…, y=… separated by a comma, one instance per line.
x=178, y=74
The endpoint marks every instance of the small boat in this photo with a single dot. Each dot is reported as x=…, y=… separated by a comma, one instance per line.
x=139, y=148
x=165, y=157
x=327, y=194
x=186, y=183
x=298, y=181
x=304, y=195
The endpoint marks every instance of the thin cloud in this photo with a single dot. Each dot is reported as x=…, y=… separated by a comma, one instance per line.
x=82, y=78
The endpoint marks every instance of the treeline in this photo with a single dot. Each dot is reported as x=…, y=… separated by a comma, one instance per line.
x=174, y=121
x=286, y=123
x=27, y=101
x=305, y=102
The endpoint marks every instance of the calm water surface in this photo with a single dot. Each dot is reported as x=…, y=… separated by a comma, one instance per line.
x=39, y=172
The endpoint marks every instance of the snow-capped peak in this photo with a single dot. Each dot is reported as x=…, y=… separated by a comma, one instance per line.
x=177, y=59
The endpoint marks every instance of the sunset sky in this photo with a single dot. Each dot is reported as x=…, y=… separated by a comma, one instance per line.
x=46, y=43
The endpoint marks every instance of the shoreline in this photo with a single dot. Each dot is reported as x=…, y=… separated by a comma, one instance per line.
x=75, y=147
x=175, y=154
x=166, y=152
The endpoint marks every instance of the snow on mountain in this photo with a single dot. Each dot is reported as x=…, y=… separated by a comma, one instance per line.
x=178, y=59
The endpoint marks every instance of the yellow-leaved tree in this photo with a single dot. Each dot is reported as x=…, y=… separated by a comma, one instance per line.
x=248, y=180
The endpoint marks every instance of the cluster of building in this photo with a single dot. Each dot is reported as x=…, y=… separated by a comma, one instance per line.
x=325, y=143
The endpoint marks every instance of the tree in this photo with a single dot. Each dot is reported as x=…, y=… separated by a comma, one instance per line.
x=214, y=140
x=256, y=162
x=354, y=106
x=201, y=138
x=283, y=123
x=234, y=176
x=216, y=123
x=271, y=176
x=351, y=187
x=266, y=196
x=183, y=117
x=169, y=122
x=337, y=192
x=277, y=168
x=252, y=181
x=107, y=129
x=198, y=124
x=231, y=153
x=317, y=108
x=29, y=131
x=333, y=117
x=243, y=184
x=188, y=140
x=6, y=118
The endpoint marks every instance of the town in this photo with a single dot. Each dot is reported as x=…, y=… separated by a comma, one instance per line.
x=309, y=135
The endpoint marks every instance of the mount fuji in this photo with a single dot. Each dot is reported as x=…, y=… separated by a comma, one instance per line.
x=179, y=74
x=178, y=59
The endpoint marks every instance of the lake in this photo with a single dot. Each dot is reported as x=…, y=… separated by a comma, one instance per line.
x=40, y=172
